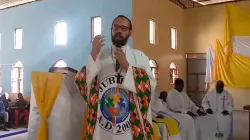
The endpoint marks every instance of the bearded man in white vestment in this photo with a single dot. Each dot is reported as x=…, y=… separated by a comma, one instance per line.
x=219, y=104
x=186, y=123
x=118, y=96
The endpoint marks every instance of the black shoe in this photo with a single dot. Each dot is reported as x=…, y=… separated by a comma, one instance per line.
x=220, y=135
x=5, y=129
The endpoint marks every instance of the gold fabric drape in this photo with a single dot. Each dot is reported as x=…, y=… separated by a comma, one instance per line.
x=84, y=124
x=156, y=131
x=233, y=68
x=46, y=87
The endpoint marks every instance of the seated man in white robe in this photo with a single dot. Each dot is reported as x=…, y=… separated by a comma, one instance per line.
x=186, y=123
x=179, y=102
x=219, y=103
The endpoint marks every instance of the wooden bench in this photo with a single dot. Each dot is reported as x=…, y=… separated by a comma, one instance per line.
x=247, y=107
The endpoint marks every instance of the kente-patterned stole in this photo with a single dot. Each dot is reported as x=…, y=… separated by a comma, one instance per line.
x=143, y=92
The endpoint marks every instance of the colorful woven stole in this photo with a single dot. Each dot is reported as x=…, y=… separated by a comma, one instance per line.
x=143, y=89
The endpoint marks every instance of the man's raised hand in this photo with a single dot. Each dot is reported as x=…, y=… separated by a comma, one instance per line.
x=97, y=44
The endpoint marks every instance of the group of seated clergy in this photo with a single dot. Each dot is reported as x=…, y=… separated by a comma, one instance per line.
x=13, y=111
x=211, y=121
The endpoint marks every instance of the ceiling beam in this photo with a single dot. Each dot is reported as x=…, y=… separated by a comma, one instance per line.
x=179, y=3
x=184, y=6
x=219, y=3
x=14, y=3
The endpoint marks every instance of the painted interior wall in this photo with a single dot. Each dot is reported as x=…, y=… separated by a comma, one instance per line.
x=167, y=15
x=202, y=27
x=196, y=27
x=38, y=20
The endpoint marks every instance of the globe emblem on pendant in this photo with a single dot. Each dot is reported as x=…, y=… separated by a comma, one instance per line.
x=117, y=104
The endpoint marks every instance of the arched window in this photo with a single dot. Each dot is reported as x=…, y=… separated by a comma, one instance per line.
x=154, y=68
x=60, y=64
x=17, y=78
x=173, y=72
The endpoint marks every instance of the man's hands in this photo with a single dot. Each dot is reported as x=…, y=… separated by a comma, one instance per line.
x=97, y=44
x=159, y=116
x=225, y=113
x=201, y=113
x=121, y=57
x=191, y=114
x=209, y=111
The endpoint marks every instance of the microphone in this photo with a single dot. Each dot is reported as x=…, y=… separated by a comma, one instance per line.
x=117, y=64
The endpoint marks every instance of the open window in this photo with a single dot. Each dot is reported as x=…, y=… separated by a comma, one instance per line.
x=173, y=72
x=154, y=68
x=17, y=78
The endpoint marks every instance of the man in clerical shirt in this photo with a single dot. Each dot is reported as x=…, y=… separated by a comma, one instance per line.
x=186, y=123
x=219, y=104
x=117, y=96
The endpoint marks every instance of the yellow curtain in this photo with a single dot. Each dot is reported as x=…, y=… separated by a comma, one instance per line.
x=232, y=68
x=45, y=87
x=84, y=124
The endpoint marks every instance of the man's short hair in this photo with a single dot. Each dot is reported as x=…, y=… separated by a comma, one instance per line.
x=178, y=81
x=122, y=16
x=162, y=94
x=219, y=82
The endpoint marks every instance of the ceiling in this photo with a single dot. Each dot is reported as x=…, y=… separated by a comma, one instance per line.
x=182, y=3
x=12, y=3
x=198, y=3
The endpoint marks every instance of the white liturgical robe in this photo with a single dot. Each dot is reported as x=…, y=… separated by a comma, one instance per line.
x=104, y=67
x=186, y=123
x=218, y=122
x=180, y=102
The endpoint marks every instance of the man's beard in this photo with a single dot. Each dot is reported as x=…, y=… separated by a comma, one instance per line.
x=121, y=42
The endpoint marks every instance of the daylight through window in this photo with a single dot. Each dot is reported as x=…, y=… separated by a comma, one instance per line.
x=61, y=33
x=152, y=31
x=17, y=78
x=173, y=38
x=18, y=39
x=96, y=26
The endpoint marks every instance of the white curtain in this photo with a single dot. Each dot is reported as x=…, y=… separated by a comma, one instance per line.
x=241, y=45
x=65, y=120
x=210, y=64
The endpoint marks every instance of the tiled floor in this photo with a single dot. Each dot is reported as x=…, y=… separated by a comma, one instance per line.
x=12, y=131
x=241, y=125
x=16, y=137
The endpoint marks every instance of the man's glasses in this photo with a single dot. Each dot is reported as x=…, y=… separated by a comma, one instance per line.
x=123, y=28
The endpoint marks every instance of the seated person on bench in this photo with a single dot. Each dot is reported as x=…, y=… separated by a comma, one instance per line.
x=4, y=114
x=6, y=102
x=21, y=105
